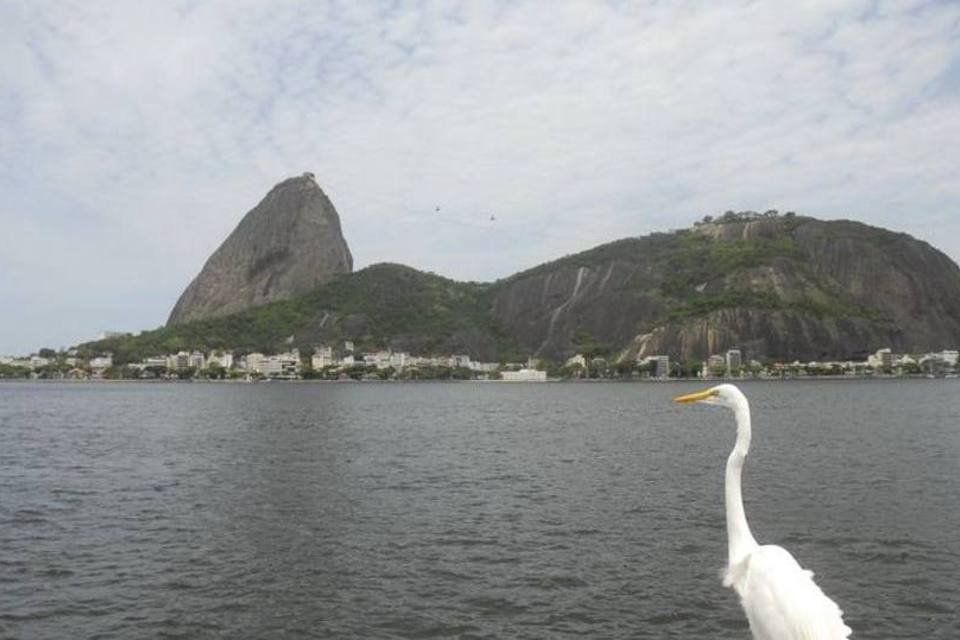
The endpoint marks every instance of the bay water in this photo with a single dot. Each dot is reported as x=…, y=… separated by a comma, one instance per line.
x=465, y=510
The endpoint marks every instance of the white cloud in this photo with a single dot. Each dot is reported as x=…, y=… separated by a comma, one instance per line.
x=143, y=131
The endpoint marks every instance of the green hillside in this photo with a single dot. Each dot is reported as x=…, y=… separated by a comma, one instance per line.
x=786, y=287
x=384, y=305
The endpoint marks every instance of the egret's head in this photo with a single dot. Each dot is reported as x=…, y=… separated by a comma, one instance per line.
x=724, y=395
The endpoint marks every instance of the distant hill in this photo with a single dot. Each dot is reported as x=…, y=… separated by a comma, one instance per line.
x=382, y=306
x=783, y=287
x=778, y=287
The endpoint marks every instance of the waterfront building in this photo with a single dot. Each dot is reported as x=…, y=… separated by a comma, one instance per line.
x=525, y=375
x=658, y=366
x=887, y=359
x=661, y=366
x=271, y=366
x=101, y=362
x=950, y=357
x=289, y=363
x=734, y=362
x=576, y=360
x=322, y=357
x=882, y=359
x=380, y=359
x=220, y=359
x=280, y=365
x=196, y=360
x=714, y=366
x=484, y=367
x=253, y=363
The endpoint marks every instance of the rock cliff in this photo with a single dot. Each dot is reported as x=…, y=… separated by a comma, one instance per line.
x=286, y=246
x=778, y=287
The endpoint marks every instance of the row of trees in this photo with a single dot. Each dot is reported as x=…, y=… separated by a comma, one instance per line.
x=739, y=216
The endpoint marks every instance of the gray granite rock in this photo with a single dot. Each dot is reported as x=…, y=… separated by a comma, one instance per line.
x=286, y=246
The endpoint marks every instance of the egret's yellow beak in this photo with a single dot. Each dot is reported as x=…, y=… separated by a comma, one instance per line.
x=695, y=397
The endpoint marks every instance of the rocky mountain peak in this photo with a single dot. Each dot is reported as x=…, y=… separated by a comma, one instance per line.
x=286, y=246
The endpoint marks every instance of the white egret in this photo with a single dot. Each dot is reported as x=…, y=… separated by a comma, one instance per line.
x=781, y=600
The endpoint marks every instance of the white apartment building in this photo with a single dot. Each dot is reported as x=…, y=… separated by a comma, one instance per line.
x=280, y=365
x=220, y=359
x=525, y=375
x=197, y=360
x=951, y=357
x=576, y=360
x=882, y=358
x=322, y=357
x=181, y=360
x=253, y=362
x=101, y=362
x=380, y=359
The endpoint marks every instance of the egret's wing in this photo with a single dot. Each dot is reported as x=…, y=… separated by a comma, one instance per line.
x=783, y=602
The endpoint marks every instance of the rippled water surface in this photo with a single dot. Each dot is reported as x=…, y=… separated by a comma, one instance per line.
x=464, y=510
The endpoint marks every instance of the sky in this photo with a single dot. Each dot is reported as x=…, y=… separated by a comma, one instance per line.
x=135, y=135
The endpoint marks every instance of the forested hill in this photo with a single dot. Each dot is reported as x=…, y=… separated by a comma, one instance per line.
x=384, y=305
x=783, y=287
x=778, y=287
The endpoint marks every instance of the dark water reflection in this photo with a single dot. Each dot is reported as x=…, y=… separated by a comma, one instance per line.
x=463, y=510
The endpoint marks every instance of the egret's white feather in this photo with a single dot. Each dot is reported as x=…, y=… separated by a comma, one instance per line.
x=783, y=602
x=780, y=598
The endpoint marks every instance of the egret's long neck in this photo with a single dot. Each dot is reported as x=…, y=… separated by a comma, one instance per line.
x=739, y=538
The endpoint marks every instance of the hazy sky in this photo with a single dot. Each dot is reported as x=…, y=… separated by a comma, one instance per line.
x=135, y=135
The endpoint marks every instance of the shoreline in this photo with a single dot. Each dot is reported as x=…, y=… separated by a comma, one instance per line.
x=713, y=381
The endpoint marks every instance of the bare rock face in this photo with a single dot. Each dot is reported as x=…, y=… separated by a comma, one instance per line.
x=782, y=287
x=286, y=246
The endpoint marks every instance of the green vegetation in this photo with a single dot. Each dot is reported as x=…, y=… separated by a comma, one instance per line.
x=586, y=345
x=8, y=371
x=624, y=250
x=373, y=307
x=696, y=258
x=630, y=287
x=763, y=300
x=732, y=300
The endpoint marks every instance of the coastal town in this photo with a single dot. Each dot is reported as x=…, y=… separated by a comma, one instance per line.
x=325, y=362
